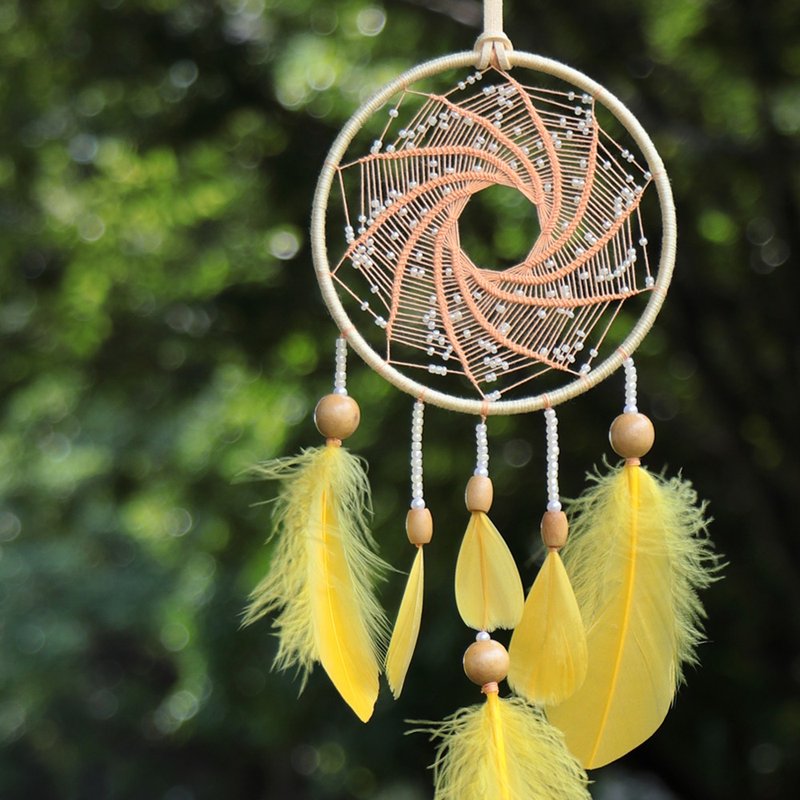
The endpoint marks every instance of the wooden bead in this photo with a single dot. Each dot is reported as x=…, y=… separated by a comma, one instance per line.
x=337, y=416
x=419, y=525
x=486, y=662
x=631, y=435
x=554, y=529
x=479, y=494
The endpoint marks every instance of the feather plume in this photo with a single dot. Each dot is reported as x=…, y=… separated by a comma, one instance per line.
x=637, y=555
x=489, y=590
x=406, y=628
x=506, y=750
x=322, y=573
x=547, y=653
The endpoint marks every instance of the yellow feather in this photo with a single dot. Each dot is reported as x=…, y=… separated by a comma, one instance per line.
x=322, y=572
x=636, y=557
x=406, y=628
x=504, y=749
x=547, y=653
x=489, y=591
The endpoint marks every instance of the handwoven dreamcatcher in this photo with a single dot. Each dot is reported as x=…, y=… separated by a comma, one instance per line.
x=599, y=643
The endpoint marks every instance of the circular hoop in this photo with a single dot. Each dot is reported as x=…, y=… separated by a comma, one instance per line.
x=481, y=406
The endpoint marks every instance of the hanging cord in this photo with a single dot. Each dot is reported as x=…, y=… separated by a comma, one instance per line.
x=630, y=386
x=493, y=45
x=417, y=495
x=340, y=376
x=551, y=434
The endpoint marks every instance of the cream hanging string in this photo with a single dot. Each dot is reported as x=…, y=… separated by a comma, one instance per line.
x=493, y=45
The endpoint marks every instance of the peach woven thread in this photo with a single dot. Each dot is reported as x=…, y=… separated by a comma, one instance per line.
x=407, y=248
x=534, y=277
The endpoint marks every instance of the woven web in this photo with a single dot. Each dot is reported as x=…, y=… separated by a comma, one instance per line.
x=406, y=270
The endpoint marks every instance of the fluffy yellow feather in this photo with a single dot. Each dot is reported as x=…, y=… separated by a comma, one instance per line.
x=636, y=558
x=504, y=749
x=406, y=627
x=322, y=573
x=489, y=590
x=548, y=655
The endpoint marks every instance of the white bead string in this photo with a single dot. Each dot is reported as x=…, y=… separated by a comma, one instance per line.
x=482, y=442
x=340, y=377
x=551, y=436
x=417, y=498
x=630, y=386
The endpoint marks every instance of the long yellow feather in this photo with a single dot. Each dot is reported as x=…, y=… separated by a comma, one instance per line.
x=406, y=627
x=322, y=573
x=636, y=558
x=504, y=749
x=489, y=590
x=548, y=655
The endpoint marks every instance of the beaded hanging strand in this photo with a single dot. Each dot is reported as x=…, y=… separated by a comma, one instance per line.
x=551, y=439
x=548, y=648
x=321, y=580
x=417, y=420
x=647, y=532
x=419, y=529
x=340, y=374
x=488, y=587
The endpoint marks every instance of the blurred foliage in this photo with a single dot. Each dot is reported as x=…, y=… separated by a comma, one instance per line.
x=161, y=330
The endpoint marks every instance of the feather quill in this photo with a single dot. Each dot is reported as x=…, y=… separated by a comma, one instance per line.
x=637, y=555
x=406, y=627
x=489, y=590
x=548, y=655
x=320, y=583
x=504, y=749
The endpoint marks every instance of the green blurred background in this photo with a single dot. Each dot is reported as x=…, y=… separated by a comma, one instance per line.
x=162, y=330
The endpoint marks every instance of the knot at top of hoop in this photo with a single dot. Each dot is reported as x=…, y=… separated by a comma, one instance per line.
x=493, y=48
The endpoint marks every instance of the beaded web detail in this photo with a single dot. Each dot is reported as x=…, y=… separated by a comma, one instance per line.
x=404, y=265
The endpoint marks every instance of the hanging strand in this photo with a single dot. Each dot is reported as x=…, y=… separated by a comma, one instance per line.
x=551, y=434
x=482, y=443
x=630, y=386
x=340, y=377
x=493, y=45
x=417, y=496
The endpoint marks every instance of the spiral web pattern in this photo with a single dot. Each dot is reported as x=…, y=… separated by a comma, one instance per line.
x=403, y=262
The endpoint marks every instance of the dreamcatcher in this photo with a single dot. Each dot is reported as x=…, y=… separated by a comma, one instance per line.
x=599, y=643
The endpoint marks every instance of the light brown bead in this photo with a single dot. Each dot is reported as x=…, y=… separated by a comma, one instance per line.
x=486, y=662
x=479, y=494
x=554, y=529
x=419, y=525
x=631, y=435
x=337, y=416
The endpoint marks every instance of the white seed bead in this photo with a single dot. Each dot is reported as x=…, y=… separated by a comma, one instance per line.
x=482, y=450
x=482, y=636
x=630, y=386
x=340, y=375
x=417, y=499
x=551, y=438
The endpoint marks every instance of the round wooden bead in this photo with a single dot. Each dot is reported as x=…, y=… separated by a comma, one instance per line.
x=486, y=662
x=419, y=525
x=479, y=494
x=631, y=435
x=337, y=416
x=554, y=529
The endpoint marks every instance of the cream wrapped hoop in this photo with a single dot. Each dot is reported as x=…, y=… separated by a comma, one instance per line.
x=416, y=307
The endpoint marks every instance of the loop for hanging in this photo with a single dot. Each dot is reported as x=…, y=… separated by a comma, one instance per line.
x=493, y=46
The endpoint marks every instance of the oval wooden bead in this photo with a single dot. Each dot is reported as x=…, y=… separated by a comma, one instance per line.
x=554, y=529
x=479, y=493
x=631, y=435
x=486, y=662
x=337, y=416
x=419, y=525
